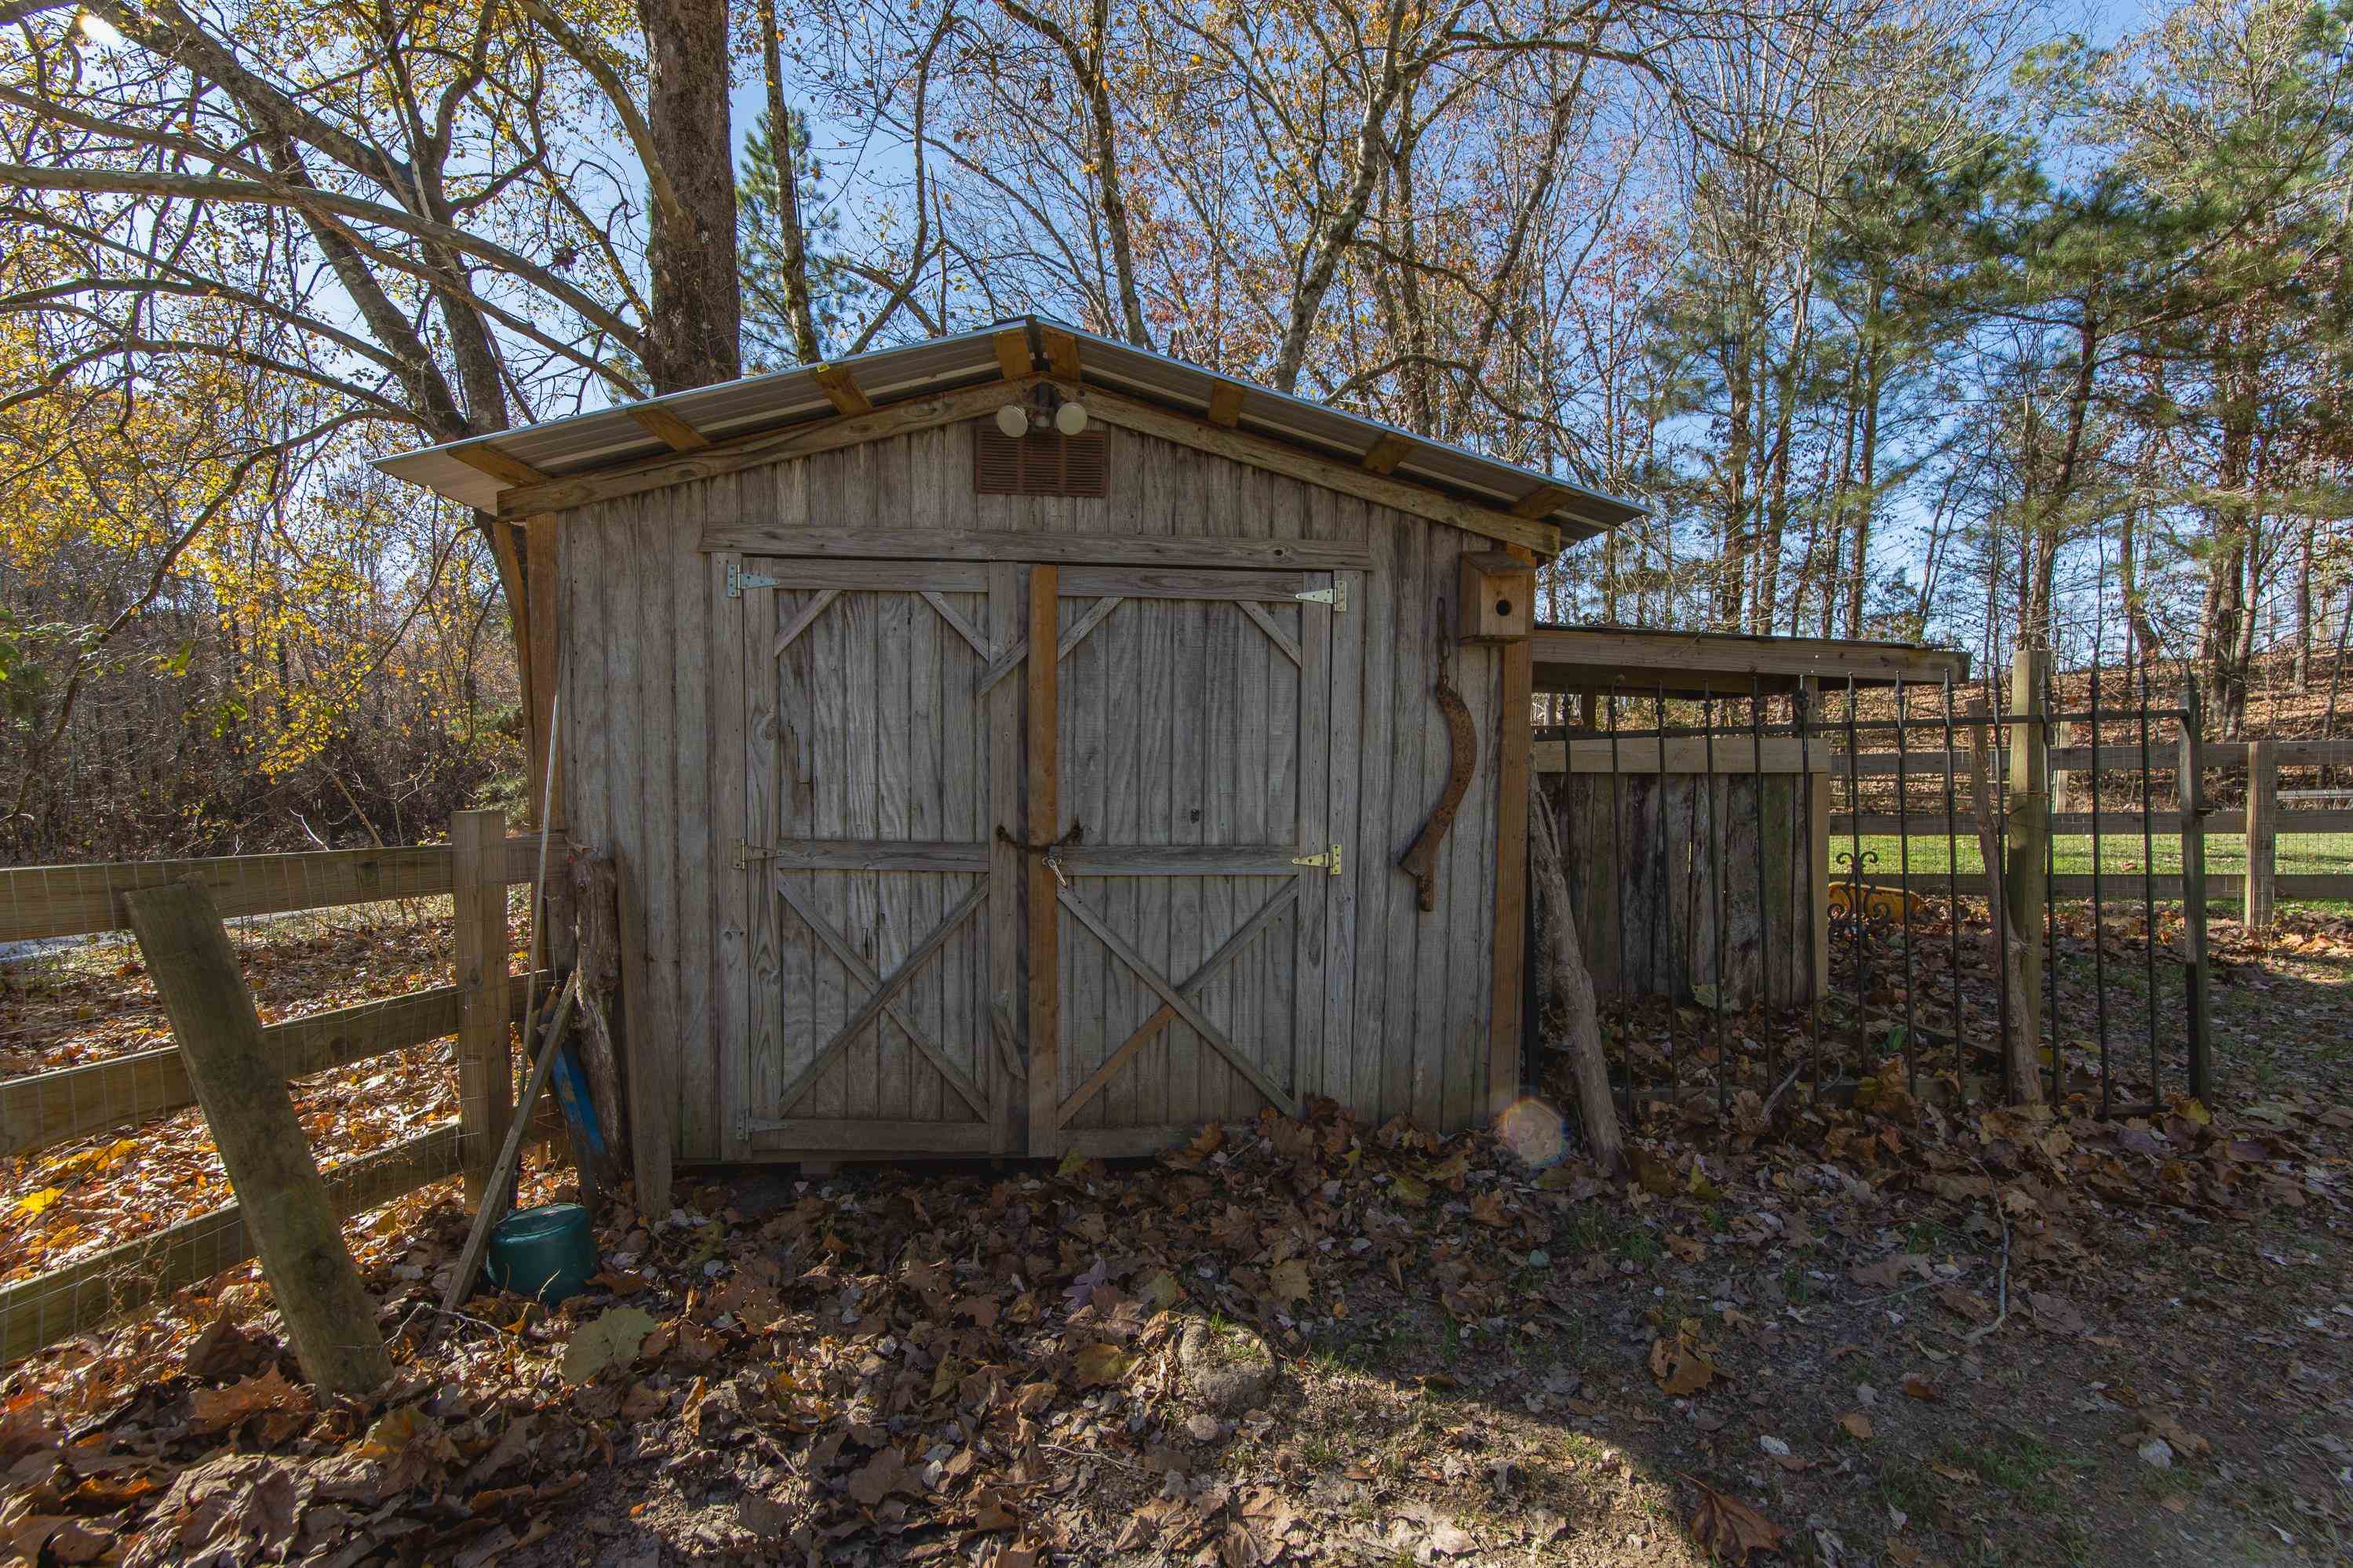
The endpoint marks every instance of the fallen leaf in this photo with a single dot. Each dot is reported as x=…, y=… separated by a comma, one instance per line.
x=1917, y=1385
x=1680, y=1369
x=216, y=1409
x=884, y=1474
x=1857, y=1424
x=1730, y=1527
x=612, y=1338
x=1288, y=1281
x=1100, y=1364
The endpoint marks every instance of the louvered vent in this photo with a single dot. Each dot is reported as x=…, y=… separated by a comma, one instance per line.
x=1046, y=465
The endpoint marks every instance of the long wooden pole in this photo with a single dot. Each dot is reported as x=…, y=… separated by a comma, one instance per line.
x=1571, y=985
x=283, y=1200
x=503, y=1171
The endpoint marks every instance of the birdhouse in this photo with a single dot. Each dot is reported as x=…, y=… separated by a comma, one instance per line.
x=1497, y=598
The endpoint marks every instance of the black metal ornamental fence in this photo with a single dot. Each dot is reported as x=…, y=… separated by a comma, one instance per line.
x=1839, y=891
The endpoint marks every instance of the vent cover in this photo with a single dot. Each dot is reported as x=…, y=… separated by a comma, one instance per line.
x=1051, y=464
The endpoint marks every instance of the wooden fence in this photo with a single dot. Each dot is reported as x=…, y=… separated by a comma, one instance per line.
x=2259, y=819
x=475, y=868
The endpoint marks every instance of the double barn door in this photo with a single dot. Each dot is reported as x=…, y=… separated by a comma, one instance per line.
x=1013, y=895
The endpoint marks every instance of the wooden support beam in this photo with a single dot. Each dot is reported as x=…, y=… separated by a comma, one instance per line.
x=503, y=466
x=2027, y=837
x=2191, y=781
x=1062, y=351
x=737, y=453
x=1012, y=346
x=286, y=1205
x=2262, y=845
x=924, y=544
x=1349, y=478
x=485, y=1063
x=841, y=389
x=667, y=427
x=1509, y=939
x=1384, y=456
x=647, y=1061
x=542, y=570
x=1542, y=501
x=1044, y=807
x=1225, y=404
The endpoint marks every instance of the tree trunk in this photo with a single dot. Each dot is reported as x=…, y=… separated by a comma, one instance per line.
x=696, y=299
x=1570, y=986
x=794, y=240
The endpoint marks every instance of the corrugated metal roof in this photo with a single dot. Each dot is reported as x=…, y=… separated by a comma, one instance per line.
x=611, y=438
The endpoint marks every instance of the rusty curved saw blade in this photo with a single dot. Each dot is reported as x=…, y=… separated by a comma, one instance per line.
x=1462, y=743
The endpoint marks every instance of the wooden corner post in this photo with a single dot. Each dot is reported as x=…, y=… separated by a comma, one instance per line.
x=2190, y=787
x=283, y=1199
x=1515, y=724
x=485, y=1063
x=2263, y=829
x=2027, y=833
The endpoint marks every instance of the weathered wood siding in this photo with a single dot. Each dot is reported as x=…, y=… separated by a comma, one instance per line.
x=1642, y=855
x=657, y=733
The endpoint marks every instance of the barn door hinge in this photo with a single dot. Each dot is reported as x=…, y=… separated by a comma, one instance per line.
x=1329, y=860
x=1336, y=596
x=745, y=853
x=738, y=580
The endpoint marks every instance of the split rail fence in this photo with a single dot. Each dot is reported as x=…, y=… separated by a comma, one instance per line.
x=42, y=1109
x=2267, y=816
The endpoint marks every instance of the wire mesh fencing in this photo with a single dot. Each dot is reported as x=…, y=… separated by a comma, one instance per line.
x=1859, y=890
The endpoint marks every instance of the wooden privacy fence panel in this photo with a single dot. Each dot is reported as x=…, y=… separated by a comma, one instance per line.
x=1644, y=865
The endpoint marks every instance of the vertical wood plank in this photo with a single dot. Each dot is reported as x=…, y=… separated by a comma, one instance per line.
x=1007, y=1002
x=732, y=830
x=279, y=1192
x=1312, y=801
x=485, y=1069
x=543, y=579
x=1043, y=817
x=2191, y=787
x=1377, y=877
x=700, y=1096
x=656, y=860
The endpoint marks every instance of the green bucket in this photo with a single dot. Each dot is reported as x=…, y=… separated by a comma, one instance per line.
x=547, y=1252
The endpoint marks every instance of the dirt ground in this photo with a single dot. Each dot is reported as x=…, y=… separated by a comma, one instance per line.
x=1871, y=1333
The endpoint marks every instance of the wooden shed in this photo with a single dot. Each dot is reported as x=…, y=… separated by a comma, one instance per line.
x=1009, y=743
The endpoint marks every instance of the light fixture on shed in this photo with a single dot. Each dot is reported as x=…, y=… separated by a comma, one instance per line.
x=1044, y=412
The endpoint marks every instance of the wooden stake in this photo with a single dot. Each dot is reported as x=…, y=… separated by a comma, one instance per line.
x=2190, y=786
x=284, y=1201
x=1570, y=984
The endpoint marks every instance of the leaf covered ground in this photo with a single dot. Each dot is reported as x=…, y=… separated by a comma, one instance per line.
x=1878, y=1328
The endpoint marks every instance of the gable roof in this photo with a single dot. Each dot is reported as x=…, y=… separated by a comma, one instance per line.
x=523, y=469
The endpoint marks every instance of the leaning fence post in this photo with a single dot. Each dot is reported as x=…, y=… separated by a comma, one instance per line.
x=279, y=1192
x=2262, y=835
x=2191, y=788
x=2028, y=821
x=485, y=1066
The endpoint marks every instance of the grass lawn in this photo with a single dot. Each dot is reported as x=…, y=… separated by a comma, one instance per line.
x=2300, y=853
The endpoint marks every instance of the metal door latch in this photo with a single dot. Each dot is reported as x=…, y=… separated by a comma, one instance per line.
x=1329, y=860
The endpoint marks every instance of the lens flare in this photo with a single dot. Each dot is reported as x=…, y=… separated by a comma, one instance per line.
x=1533, y=1130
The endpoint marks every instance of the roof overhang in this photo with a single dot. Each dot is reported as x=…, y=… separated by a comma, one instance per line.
x=1691, y=664
x=766, y=418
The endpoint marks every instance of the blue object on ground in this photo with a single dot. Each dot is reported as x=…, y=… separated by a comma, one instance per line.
x=547, y=1252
